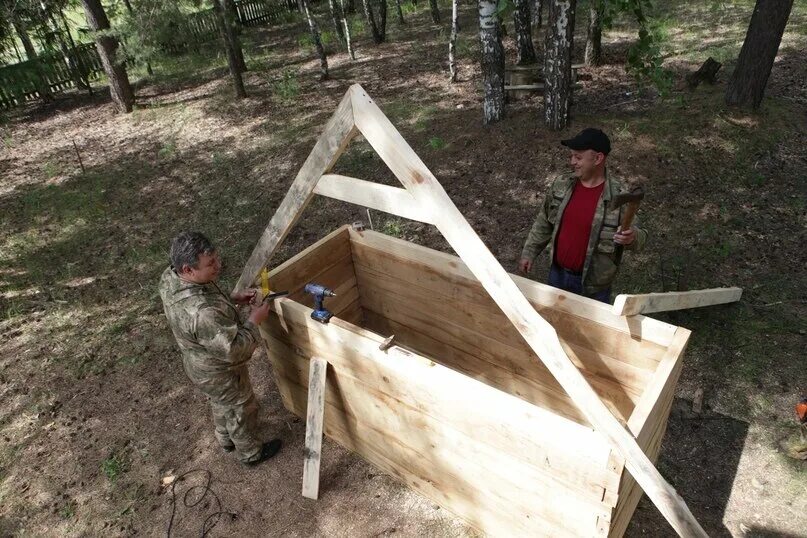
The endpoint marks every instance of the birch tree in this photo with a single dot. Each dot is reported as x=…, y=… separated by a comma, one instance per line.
x=452, y=42
x=558, y=63
x=337, y=17
x=535, y=11
x=315, y=37
x=490, y=37
x=346, y=24
x=378, y=29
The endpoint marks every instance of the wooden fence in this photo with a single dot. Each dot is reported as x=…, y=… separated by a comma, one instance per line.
x=52, y=73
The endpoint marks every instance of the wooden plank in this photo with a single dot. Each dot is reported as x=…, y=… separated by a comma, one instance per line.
x=470, y=476
x=313, y=427
x=504, y=422
x=339, y=131
x=630, y=305
x=448, y=270
x=373, y=195
x=538, y=333
x=623, y=357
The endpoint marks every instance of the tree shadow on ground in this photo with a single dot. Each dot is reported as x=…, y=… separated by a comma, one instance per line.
x=700, y=456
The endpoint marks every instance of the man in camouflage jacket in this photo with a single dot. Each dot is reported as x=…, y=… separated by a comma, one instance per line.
x=579, y=225
x=215, y=345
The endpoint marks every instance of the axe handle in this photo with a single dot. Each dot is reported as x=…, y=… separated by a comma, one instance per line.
x=630, y=212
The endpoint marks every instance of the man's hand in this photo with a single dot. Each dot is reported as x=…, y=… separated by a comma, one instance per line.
x=625, y=238
x=260, y=312
x=525, y=265
x=243, y=296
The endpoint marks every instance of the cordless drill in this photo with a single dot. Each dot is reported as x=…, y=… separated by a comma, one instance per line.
x=319, y=292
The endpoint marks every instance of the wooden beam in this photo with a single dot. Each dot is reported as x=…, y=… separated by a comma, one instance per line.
x=339, y=131
x=630, y=305
x=373, y=195
x=539, y=334
x=313, y=426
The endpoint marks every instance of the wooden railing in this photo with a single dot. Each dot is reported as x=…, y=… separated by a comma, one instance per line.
x=52, y=73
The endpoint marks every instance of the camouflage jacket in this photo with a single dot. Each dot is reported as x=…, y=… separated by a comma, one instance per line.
x=601, y=265
x=215, y=345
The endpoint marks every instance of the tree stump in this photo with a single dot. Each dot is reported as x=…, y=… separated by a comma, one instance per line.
x=706, y=73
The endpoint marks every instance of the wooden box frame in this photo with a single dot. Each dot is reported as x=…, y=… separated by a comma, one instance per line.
x=570, y=458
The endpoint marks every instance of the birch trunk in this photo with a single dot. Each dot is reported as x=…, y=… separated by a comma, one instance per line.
x=346, y=24
x=400, y=12
x=314, y=29
x=368, y=13
x=337, y=17
x=452, y=42
x=492, y=62
x=535, y=11
x=558, y=63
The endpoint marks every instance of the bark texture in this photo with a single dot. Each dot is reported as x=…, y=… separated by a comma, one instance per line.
x=225, y=31
x=490, y=36
x=315, y=37
x=558, y=63
x=115, y=70
x=593, y=55
x=523, y=28
x=748, y=81
x=452, y=42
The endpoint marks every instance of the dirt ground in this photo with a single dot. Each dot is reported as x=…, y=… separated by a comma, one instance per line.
x=95, y=408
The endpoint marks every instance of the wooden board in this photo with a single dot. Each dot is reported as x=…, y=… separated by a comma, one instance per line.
x=315, y=410
x=630, y=305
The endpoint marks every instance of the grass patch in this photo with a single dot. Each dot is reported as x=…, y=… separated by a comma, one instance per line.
x=114, y=466
x=436, y=142
x=288, y=87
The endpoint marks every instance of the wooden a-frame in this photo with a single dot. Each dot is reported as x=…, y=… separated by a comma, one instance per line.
x=424, y=199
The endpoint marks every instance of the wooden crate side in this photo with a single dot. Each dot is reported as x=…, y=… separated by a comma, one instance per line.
x=570, y=453
x=429, y=270
x=648, y=423
x=473, y=477
x=541, y=295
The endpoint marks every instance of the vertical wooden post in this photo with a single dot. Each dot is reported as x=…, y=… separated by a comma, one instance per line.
x=313, y=426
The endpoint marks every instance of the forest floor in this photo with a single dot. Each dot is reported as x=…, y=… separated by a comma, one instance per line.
x=94, y=405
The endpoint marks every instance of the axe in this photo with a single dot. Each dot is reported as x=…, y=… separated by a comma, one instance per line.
x=632, y=199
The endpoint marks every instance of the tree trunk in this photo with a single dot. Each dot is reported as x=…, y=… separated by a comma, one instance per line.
x=233, y=32
x=368, y=13
x=535, y=11
x=492, y=61
x=348, y=41
x=750, y=76
x=42, y=87
x=435, y=11
x=225, y=31
x=558, y=63
x=452, y=42
x=401, y=20
x=314, y=29
x=348, y=6
x=75, y=59
x=523, y=29
x=119, y=86
x=336, y=16
x=593, y=55
x=382, y=8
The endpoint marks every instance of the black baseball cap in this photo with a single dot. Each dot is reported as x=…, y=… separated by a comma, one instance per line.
x=590, y=138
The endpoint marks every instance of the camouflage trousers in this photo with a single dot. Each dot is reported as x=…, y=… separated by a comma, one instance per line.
x=237, y=427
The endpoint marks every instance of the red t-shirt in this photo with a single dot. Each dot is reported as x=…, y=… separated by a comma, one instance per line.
x=575, y=227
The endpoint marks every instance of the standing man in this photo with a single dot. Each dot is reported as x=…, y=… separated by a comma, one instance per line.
x=576, y=220
x=215, y=345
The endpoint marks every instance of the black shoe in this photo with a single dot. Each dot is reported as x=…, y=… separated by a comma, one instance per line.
x=229, y=448
x=267, y=451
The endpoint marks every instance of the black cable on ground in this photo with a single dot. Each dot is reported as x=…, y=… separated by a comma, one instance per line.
x=207, y=525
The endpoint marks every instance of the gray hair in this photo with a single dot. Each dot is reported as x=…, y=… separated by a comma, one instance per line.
x=186, y=249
